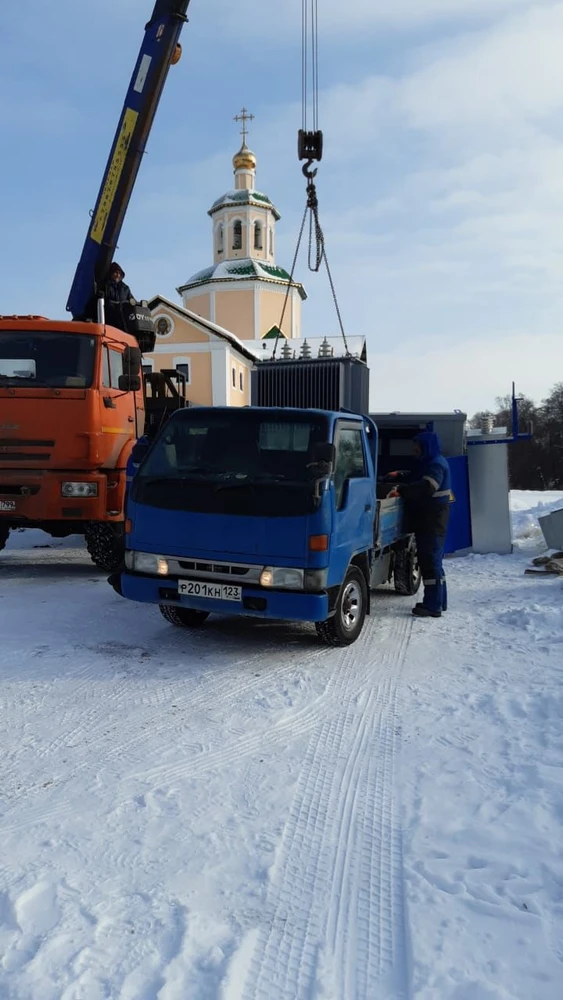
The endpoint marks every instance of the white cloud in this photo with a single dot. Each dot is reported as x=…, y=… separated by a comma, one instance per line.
x=512, y=72
x=464, y=376
x=366, y=15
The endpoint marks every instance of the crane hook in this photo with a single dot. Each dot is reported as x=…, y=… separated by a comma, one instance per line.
x=309, y=174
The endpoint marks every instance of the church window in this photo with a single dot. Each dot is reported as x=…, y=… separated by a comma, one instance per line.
x=240, y=381
x=234, y=377
x=257, y=235
x=182, y=365
x=220, y=239
x=271, y=241
x=237, y=235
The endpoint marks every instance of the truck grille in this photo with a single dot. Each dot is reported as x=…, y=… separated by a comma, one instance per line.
x=24, y=443
x=223, y=568
x=249, y=573
x=14, y=490
x=23, y=456
x=7, y=455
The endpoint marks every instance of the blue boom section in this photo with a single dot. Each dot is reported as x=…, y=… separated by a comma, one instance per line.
x=157, y=52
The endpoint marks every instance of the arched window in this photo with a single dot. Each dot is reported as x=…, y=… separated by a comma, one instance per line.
x=271, y=241
x=237, y=235
x=257, y=235
x=220, y=238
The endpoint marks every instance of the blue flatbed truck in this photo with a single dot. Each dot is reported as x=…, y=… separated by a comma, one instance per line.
x=266, y=512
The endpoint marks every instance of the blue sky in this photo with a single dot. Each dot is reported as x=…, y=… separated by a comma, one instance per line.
x=441, y=187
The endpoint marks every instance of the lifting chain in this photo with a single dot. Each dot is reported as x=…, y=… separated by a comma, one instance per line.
x=310, y=148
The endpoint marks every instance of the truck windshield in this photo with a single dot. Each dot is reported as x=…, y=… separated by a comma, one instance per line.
x=243, y=462
x=54, y=360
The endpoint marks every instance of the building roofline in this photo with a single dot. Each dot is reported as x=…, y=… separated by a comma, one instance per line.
x=243, y=277
x=224, y=202
x=205, y=324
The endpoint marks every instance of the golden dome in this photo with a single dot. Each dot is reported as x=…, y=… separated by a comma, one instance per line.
x=244, y=159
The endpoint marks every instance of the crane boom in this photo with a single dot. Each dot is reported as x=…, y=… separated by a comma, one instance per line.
x=159, y=49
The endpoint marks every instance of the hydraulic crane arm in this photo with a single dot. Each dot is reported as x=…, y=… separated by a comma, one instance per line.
x=159, y=50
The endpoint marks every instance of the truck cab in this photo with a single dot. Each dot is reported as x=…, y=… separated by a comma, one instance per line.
x=71, y=409
x=262, y=511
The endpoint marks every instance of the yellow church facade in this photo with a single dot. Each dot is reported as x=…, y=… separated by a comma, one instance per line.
x=231, y=310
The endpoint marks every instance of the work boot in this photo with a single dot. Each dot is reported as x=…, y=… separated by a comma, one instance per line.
x=421, y=605
x=420, y=611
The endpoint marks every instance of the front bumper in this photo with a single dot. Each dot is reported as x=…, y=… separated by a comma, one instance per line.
x=31, y=497
x=259, y=602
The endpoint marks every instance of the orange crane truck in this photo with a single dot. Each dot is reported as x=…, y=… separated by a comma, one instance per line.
x=72, y=396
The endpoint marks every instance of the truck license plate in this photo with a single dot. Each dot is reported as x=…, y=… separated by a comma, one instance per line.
x=7, y=504
x=200, y=588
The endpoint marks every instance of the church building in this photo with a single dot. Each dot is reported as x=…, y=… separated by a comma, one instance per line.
x=231, y=310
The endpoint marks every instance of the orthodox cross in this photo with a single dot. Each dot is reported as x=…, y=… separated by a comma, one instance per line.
x=244, y=117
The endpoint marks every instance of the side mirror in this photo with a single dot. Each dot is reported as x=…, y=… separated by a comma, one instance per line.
x=132, y=359
x=129, y=383
x=139, y=451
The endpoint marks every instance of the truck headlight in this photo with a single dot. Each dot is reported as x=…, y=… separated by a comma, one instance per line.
x=282, y=576
x=79, y=489
x=146, y=562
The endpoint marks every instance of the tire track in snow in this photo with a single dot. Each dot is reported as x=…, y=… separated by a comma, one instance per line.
x=294, y=725
x=94, y=755
x=334, y=912
x=157, y=694
x=347, y=671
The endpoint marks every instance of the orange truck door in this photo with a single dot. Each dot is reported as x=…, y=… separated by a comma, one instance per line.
x=117, y=408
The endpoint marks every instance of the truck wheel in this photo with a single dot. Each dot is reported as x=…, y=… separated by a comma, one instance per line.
x=4, y=532
x=406, y=572
x=106, y=545
x=344, y=627
x=183, y=617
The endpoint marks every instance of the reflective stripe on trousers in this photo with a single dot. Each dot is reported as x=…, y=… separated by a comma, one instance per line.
x=430, y=550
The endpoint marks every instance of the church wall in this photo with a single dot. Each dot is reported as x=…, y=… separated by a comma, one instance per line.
x=234, y=311
x=270, y=310
x=199, y=304
x=200, y=389
x=183, y=331
x=238, y=369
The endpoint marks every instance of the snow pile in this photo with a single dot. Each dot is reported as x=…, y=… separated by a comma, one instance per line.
x=526, y=506
x=237, y=813
x=31, y=539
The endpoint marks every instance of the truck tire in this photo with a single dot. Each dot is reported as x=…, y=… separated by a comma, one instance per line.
x=106, y=545
x=406, y=572
x=4, y=532
x=183, y=617
x=344, y=627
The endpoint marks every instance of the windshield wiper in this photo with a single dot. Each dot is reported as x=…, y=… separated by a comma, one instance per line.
x=26, y=378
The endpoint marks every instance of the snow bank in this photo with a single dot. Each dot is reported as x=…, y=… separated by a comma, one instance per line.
x=525, y=507
x=32, y=538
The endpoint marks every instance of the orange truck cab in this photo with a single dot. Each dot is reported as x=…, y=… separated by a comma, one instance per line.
x=71, y=399
x=71, y=409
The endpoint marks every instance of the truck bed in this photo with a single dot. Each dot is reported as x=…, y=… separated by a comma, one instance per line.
x=390, y=522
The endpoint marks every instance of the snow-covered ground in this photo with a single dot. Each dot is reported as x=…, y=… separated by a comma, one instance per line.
x=241, y=814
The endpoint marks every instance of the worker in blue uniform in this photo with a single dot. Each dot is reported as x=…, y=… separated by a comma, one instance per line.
x=428, y=499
